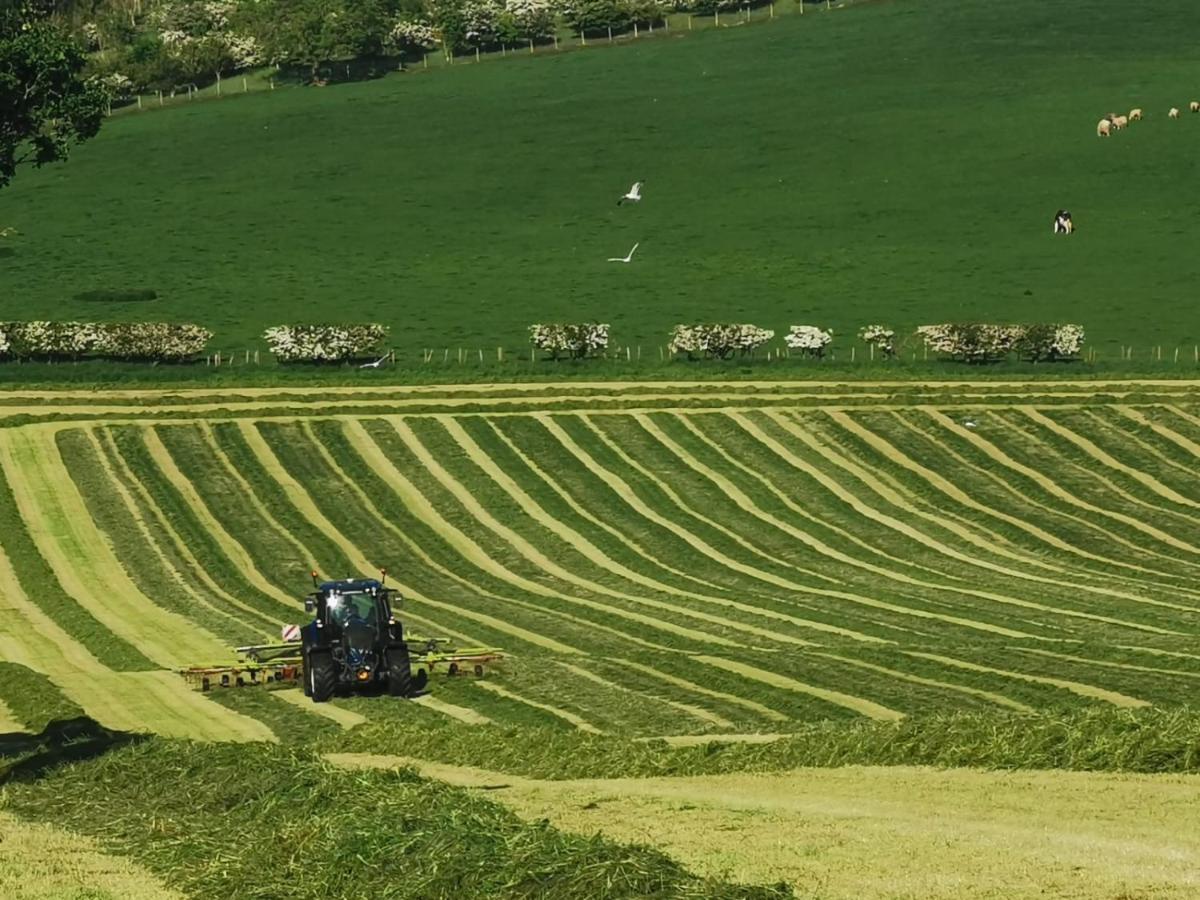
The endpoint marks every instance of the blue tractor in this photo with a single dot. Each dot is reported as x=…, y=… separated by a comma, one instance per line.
x=354, y=640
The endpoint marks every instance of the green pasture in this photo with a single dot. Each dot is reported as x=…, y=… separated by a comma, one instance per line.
x=893, y=162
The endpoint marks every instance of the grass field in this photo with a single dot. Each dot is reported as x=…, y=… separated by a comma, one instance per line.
x=737, y=558
x=795, y=173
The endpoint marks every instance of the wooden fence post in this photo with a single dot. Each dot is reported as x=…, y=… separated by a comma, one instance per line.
x=245, y=86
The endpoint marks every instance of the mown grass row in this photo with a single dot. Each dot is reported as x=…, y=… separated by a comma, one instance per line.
x=1093, y=739
x=213, y=822
x=33, y=699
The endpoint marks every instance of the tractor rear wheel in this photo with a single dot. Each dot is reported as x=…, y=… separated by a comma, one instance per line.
x=321, y=677
x=399, y=676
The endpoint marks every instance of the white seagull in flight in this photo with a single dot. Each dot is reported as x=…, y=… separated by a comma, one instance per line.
x=624, y=259
x=634, y=195
x=373, y=365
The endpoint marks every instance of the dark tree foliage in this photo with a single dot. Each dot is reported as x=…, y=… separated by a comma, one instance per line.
x=45, y=106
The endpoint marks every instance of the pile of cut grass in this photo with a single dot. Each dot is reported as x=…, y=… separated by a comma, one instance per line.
x=1094, y=739
x=34, y=700
x=219, y=821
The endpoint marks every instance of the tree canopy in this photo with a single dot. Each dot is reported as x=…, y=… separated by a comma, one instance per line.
x=45, y=104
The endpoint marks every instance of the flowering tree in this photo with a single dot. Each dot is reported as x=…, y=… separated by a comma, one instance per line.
x=156, y=341
x=808, y=339
x=717, y=340
x=528, y=20
x=1051, y=342
x=880, y=338
x=576, y=341
x=972, y=342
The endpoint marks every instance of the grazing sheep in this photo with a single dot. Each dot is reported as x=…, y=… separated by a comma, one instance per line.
x=1135, y=115
x=1103, y=128
x=1174, y=113
x=1120, y=122
x=1194, y=106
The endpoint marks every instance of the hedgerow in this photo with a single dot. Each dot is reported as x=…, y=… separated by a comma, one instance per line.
x=128, y=341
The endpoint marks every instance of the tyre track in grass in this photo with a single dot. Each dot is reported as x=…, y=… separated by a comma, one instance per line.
x=858, y=705
x=675, y=680
x=307, y=507
x=463, y=714
x=646, y=511
x=954, y=493
x=379, y=465
x=545, y=478
x=1050, y=486
x=1040, y=442
x=346, y=718
x=705, y=716
x=1023, y=499
x=748, y=504
x=229, y=545
x=1138, y=443
x=185, y=584
x=576, y=721
x=991, y=697
x=1090, y=691
x=536, y=557
x=871, y=512
x=582, y=544
x=123, y=701
x=684, y=420
x=1104, y=458
x=66, y=536
x=121, y=469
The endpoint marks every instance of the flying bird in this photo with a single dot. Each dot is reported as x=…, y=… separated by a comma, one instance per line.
x=626, y=258
x=8, y=232
x=634, y=195
x=969, y=422
x=373, y=365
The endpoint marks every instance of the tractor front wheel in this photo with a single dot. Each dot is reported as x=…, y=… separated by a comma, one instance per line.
x=399, y=676
x=321, y=677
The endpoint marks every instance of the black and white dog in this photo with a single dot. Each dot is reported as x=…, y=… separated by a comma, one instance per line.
x=1063, y=223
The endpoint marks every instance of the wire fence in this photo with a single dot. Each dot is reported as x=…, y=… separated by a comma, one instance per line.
x=674, y=25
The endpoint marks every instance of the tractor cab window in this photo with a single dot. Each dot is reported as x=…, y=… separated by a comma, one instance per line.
x=344, y=608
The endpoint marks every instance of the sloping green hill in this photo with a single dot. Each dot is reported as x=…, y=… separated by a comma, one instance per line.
x=895, y=161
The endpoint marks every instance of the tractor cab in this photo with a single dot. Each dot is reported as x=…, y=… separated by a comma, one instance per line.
x=361, y=602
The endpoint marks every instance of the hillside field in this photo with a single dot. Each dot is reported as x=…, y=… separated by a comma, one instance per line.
x=699, y=586
x=896, y=162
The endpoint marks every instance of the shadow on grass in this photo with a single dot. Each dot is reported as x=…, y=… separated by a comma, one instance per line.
x=26, y=757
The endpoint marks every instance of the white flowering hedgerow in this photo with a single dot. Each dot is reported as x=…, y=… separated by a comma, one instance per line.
x=574, y=340
x=880, y=337
x=324, y=343
x=158, y=341
x=413, y=33
x=717, y=339
x=808, y=339
x=982, y=342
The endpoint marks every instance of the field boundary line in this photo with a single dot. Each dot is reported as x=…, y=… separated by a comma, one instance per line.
x=860, y=705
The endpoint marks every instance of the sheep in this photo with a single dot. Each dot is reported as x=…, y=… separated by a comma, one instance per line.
x=1194, y=106
x=1174, y=113
x=1120, y=122
x=1102, y=128
x=1135, y=115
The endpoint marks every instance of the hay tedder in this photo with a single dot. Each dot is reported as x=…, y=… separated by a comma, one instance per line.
x=353, y=642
